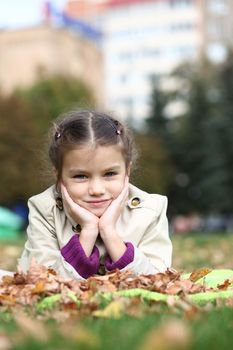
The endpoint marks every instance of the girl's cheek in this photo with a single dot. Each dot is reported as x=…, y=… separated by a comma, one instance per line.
x=118, y=188
x=78, y=191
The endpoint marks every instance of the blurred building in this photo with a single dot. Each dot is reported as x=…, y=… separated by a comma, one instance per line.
x=25, y=54
x=143, y=40
x=217, y=25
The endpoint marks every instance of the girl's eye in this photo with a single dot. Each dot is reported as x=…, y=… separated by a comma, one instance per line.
x=111, y=173
x=80, y=177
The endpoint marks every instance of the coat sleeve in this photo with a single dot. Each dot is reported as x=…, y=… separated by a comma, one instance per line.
x=154, y=251
x=42, y=244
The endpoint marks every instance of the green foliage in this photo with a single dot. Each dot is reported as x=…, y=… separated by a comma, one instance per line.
x=25, y=118
x=154, y=160
x=157, y=120
x=18, y=145
x=50, y=97
x=199, y=142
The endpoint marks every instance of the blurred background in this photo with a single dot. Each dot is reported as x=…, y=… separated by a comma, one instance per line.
x=165, y=67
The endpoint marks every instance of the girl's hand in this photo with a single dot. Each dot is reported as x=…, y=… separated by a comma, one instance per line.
x=107, y=221
x=87, y=220
x=80, y=215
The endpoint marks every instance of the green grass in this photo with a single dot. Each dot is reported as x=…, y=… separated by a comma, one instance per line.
x=209, y=327
x=193, y=251
x=208, y=330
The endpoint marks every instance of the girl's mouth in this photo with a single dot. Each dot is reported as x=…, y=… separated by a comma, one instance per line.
x=98, y=202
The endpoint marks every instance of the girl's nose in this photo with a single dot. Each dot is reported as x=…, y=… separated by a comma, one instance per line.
x=96, y=187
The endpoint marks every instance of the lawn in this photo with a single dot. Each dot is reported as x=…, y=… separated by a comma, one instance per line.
x=130, y=323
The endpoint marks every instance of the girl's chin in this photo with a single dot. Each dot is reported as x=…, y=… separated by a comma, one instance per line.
x=98, y=212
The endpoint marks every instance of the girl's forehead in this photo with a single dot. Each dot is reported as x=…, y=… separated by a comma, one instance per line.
x=88, y=155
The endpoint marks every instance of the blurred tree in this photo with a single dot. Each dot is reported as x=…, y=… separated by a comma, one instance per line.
x=154, y=171
x=157, y=121
x=50, y=97
x=18, y=145
x=200, y=140
x=190, y=149
x=205, y=162
x=25, y=118
x=225, y=114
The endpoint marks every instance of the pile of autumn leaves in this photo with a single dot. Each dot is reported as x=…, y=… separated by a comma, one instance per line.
x=40, y=284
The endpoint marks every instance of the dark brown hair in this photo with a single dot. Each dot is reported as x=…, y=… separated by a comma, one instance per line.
x=77, y=128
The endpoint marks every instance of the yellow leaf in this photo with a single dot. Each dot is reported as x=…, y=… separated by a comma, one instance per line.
x=197, y=274
x=113, y=310
x=7, y=298
x=39, y=287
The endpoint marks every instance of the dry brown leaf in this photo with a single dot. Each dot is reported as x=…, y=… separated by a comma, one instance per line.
x=19, y=278
x=7, y=299
x=28, y=288
x=197, y=274
x=173, y=289
x=7, y=279
x=52, y=271
x=224, y=285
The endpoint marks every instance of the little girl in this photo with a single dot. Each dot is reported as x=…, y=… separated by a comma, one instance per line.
x=92, y=218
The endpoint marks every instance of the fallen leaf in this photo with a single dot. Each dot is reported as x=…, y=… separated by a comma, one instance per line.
x=197, y=274
x=7, y=279
x=39, y=287
x=224, y=285
x=6, y=299
x=113, y=310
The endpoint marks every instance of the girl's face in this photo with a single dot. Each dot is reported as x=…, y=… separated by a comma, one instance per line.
x=94, y=178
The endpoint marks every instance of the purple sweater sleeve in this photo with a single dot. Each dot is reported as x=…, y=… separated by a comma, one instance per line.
x=124, y=260
x=74, y=254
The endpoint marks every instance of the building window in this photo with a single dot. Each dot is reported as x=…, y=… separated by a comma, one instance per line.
x=217, y=7
x=179, y=3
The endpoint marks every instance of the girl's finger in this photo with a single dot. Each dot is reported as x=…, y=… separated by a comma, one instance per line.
x=64, y=192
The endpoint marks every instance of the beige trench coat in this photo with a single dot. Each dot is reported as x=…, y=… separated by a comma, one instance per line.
x=143, y=222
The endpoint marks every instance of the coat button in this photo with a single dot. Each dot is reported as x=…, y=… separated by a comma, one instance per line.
x=135, y=201
x=77, y=228
x=59, y=203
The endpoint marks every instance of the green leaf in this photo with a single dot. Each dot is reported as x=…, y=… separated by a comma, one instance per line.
x=48, y=303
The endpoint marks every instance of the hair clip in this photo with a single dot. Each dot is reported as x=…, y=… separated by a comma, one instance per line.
x=57, y=135
x=117, y=125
